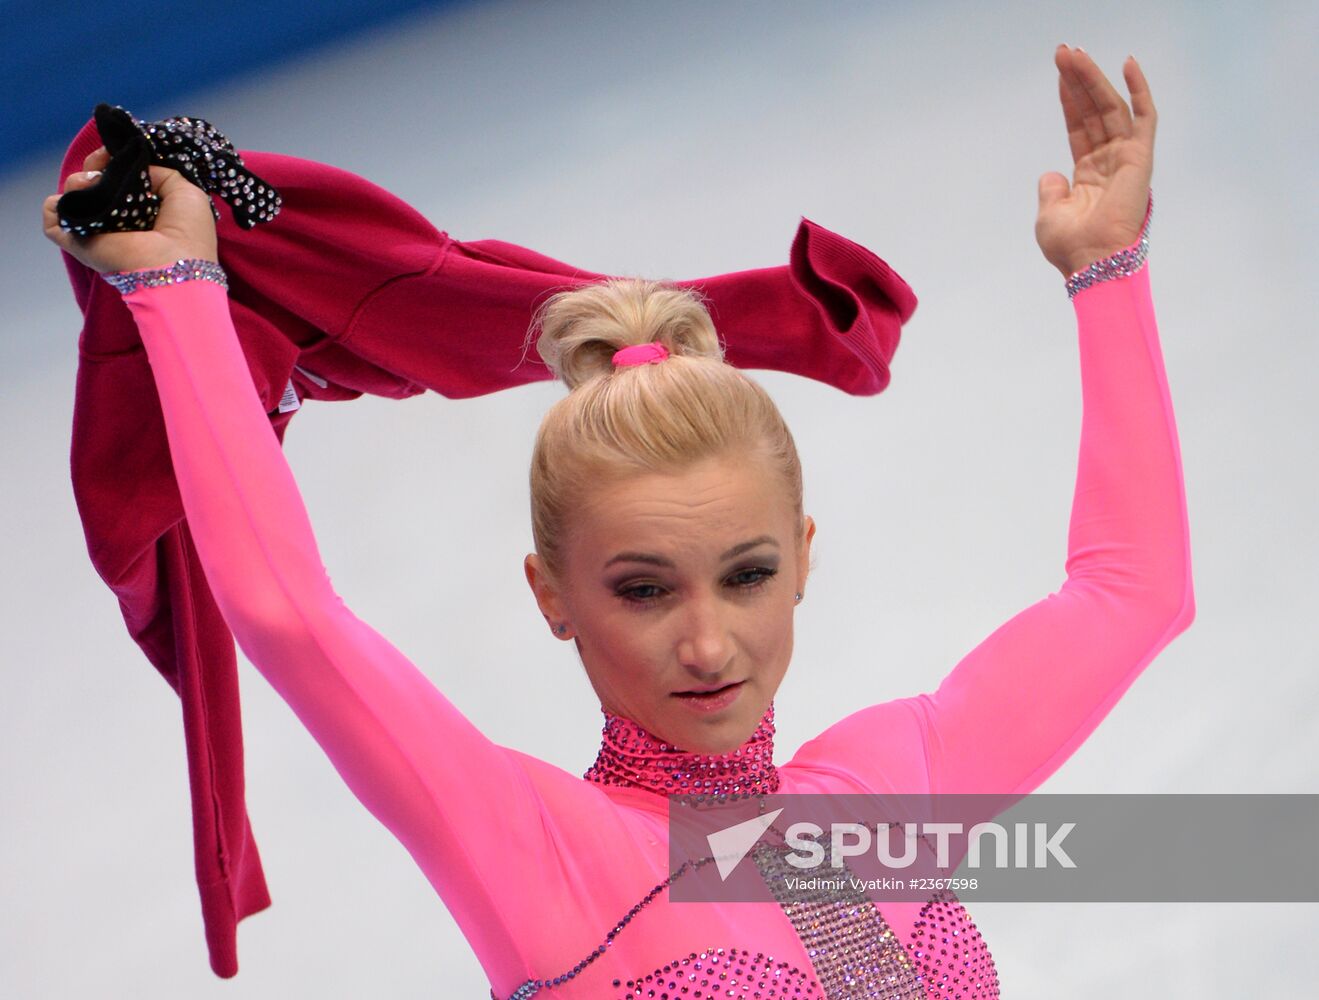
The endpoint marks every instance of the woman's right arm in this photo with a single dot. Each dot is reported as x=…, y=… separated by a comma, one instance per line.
x=381, y=721
x=464, y=807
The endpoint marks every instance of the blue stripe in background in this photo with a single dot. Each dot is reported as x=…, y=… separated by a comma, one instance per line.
x=59, y=60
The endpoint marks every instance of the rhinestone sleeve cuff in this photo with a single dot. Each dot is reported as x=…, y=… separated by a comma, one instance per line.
x=180, y=270
x=1122, y=264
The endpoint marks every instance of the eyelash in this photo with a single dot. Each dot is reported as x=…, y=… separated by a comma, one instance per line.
x=763, y=575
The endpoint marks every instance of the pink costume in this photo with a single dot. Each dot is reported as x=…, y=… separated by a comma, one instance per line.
x=553, y=878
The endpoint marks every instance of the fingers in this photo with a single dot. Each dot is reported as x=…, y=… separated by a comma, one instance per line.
x=50, y=220
x=50, y=224
x=82, y=179
x=1142, y=104
x=96, y=160
x=1075, y=103
x=1108, y=117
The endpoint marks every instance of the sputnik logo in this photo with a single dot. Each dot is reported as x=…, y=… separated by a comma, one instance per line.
x=731, y=844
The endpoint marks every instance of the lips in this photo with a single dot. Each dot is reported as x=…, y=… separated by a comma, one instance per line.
x=710, y=699
x=709, y=690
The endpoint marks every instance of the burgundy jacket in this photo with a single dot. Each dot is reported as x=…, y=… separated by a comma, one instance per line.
x=363, y=295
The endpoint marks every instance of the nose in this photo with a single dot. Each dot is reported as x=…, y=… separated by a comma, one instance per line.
x=705, y=645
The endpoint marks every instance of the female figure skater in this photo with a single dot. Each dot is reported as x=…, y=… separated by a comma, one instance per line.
x=672, y=548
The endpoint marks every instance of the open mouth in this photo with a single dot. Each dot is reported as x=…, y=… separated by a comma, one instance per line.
x=711, y=700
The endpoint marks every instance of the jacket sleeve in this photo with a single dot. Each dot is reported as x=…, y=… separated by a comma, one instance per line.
x=462, y=806
x=1021, y=702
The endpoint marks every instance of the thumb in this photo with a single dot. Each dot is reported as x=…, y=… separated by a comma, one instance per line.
x=165, y=180
x=182, y=203
x=186, y=220
x=1053, y=188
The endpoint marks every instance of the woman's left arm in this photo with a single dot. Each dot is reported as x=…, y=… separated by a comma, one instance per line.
x=1023, y=700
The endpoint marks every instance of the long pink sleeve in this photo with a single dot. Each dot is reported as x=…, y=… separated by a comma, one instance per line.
x=1025, y=698
x=464, y=807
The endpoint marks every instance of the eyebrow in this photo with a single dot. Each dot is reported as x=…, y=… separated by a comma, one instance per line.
x=654, y=560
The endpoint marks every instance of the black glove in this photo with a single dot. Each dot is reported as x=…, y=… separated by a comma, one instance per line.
x=123, y=200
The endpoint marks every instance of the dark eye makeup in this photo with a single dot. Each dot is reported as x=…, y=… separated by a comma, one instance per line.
x=747, y=579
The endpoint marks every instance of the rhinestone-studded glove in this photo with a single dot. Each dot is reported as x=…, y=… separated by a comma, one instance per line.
x=123, y=200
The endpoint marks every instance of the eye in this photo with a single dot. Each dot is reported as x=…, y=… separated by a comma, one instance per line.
x=752, y=577
x=642, y=593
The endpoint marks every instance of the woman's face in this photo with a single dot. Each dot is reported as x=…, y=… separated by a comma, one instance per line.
x=682, y=583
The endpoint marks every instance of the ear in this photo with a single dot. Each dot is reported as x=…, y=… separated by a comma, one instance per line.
x=804, y=554
x=547, y=594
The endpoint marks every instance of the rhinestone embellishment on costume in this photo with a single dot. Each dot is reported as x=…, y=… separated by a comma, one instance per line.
x=1122, y=264
x=180, y=270
x=203, y=154
x=723, y=973
x=952, y=957
x=854, y=951
x=631, y=757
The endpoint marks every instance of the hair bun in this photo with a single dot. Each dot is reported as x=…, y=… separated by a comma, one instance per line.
x=580, y=330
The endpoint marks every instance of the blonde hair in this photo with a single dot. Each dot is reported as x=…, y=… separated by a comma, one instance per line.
x=660, y=417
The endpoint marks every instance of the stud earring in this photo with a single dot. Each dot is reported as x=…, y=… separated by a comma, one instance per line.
x=561, y=629
x=798, y=595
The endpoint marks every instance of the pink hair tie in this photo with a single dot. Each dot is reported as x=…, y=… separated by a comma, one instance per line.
x=641, y=354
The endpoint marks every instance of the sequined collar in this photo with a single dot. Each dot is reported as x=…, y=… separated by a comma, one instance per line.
x=630, y=756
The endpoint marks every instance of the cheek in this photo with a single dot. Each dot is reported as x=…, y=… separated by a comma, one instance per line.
x=623, y=643
x=771, y=636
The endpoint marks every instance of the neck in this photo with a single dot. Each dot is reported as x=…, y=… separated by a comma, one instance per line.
x=630, y=756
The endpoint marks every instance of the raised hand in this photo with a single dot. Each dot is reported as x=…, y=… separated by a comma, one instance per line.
x=1102, y=210
x=185, y=227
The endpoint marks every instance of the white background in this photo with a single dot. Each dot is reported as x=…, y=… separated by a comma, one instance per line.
x=680, y=140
